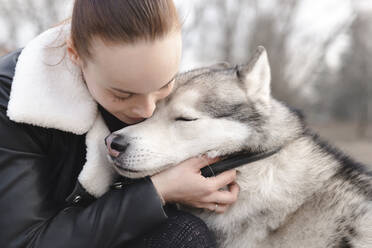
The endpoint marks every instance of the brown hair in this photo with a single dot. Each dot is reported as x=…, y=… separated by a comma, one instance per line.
x=117, y=21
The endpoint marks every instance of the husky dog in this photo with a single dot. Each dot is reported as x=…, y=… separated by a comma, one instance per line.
x=308, y=194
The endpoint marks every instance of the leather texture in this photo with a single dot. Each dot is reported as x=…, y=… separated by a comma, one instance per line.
x=38, y=171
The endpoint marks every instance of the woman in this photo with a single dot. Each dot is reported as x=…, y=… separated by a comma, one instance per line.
x=59, y=97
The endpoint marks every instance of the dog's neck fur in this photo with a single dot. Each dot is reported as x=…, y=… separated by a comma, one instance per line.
x=279, y=183
x=279, y=129
x=276, y=188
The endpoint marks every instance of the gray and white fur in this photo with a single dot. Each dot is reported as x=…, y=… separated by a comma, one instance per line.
x=309, y=194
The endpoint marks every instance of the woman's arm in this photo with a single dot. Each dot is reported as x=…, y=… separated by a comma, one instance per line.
x=29, y=216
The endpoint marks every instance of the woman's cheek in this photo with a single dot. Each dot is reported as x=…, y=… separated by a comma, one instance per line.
x=98, y=94
x=107, y=101
x=119, y=107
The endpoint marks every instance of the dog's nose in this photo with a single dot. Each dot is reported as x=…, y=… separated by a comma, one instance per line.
x=115, y=145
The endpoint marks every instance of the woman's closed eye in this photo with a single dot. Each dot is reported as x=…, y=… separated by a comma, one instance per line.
x=122, y=98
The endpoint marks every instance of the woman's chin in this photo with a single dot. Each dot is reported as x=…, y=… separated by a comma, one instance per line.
x=128, y=120
x=135, y=121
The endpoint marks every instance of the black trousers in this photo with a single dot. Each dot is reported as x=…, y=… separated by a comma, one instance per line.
x=181, y=230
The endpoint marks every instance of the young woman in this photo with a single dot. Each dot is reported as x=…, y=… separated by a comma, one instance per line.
x=104, y=69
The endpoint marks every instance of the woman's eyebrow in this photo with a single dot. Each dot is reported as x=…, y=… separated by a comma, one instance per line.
x=128, y=92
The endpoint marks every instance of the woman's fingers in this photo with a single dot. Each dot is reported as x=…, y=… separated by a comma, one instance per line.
x=203, y=161
x=215, y=207
x=223, y=196
x=190, y=186
x=222, y=180
x=221, y=208
x=234, y=189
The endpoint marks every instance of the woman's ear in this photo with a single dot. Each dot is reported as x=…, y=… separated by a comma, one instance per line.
x=72, y=53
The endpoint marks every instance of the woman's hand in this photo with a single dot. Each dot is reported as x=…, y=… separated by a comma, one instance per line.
x=184, y=184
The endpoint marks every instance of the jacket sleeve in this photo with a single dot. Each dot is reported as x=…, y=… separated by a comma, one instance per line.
x=28, y=218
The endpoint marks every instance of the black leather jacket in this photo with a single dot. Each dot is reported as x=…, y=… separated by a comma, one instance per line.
x=38, y=171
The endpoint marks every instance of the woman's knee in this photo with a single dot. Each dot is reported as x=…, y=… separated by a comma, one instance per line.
x=181, y=229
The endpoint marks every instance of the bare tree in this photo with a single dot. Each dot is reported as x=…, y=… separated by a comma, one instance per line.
x=37, y=15
x=274, y=31
x=231, y=30
x=355, y=78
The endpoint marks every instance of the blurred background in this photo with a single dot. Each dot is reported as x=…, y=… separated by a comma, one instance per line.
x=320, y=52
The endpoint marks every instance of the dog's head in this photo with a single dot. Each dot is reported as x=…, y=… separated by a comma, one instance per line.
x=216, y=111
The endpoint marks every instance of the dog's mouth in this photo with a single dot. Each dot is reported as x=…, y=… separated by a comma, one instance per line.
x=126, y=169
x=118, y=166
x=132, y=173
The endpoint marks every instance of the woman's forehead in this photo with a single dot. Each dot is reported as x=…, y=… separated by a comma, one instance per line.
x=141, y=67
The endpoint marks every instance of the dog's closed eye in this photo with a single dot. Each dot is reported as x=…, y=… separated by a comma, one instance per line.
x=185, y=119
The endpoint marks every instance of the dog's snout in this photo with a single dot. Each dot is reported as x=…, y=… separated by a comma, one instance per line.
x=116, y=144
x=119, y=145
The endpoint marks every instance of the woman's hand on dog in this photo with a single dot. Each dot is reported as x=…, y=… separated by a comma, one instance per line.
x=184, y=184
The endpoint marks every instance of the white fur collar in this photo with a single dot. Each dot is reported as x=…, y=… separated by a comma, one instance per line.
x=56, y=97
x=50, y=96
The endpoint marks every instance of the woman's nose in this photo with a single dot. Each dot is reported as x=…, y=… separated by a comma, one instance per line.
x=146, y=107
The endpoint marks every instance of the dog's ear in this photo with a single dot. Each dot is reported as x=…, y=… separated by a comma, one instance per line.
x=220, y=66
x=256, y=75
x=189, y=74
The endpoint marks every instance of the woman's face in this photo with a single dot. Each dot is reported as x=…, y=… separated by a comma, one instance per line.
x=128, y=80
